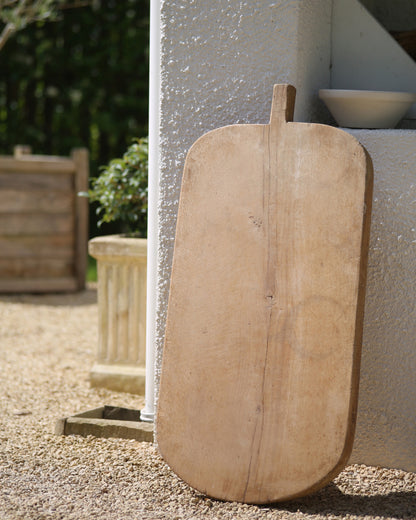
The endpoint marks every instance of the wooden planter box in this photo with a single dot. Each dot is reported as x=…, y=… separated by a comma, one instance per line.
x=121, y=270
x=43, y=223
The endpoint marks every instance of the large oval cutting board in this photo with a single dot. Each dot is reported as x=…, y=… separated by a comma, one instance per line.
x=260, y=370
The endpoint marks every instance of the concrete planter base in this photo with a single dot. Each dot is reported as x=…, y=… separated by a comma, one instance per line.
x=121, y=356
x=106, y=421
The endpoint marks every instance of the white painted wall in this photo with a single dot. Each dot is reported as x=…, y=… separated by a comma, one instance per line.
x=219, y=61
x=386, y=424
x=364, y=55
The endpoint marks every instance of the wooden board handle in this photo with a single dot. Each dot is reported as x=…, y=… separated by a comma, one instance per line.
x=283, y=104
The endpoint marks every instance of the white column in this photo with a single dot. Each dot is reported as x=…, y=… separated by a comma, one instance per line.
x=148, y=412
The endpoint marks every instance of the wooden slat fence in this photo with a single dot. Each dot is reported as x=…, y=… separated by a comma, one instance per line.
x=43, y=223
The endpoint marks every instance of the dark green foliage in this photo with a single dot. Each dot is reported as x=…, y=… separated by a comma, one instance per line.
x=81, y=81
x=17, y=14
x=120, y=191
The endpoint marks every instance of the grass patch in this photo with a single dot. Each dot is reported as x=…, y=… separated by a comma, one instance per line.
x=91, y=269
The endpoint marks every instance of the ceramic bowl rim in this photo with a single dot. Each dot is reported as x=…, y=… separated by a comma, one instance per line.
x=375, y=95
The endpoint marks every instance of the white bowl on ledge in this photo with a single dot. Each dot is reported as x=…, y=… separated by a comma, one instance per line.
x=367, y=108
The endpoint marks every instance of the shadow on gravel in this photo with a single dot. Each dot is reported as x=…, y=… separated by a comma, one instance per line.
x=87, y=297
x=331, y=501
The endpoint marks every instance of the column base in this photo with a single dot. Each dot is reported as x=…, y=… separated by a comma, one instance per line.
x=119, y=378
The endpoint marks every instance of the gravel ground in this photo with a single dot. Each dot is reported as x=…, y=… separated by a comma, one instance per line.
x=47, y=348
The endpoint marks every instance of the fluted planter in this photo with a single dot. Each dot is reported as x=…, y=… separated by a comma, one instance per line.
x=121, y=354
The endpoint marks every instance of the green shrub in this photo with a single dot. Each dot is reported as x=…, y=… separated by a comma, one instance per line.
x=120, y=191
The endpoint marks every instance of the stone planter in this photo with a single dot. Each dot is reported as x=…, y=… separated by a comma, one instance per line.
x=121, y=271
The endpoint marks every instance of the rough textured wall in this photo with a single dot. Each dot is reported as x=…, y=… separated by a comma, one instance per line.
x=219, y=61
x=364, y=55
x=386, y=427
x=313, y=59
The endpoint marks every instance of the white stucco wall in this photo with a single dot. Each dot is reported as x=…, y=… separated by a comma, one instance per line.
x=386, y=423
x=219, y=62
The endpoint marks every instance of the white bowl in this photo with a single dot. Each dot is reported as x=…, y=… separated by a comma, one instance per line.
x=367, y=108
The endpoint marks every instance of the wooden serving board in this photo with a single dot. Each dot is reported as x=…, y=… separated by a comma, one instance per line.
x=260, y=371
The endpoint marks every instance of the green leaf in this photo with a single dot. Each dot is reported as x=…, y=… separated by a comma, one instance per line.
x=121, y=188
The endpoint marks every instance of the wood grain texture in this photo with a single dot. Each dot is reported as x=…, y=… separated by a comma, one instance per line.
x=15, y=224
x=45, y=246
x=32, y=267
x=40, y=201
x=260, y=370
x=30, y=181
x=37, y=163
